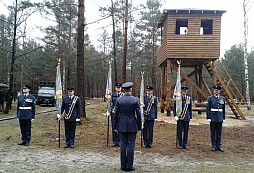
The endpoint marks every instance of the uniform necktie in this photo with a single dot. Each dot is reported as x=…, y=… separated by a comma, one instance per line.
x=70, y=98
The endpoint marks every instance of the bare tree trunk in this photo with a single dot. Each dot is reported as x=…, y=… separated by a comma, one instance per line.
x=69, y=54
x=246, y=56
x=154, y=59
x=10, y=95
x=80, y=57
x=125, y=43
x=114, y=39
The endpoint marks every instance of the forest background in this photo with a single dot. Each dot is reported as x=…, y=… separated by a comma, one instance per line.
x=35, y=60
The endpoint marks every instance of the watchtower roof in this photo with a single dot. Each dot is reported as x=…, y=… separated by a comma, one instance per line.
x=186, y=11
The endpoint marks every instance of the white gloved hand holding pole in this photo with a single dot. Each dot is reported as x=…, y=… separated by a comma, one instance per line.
x=176, y=118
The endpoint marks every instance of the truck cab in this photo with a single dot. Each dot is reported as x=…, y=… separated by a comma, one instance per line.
x=46, y=95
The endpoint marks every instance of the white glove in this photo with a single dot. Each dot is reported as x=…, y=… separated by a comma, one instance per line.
x=58, y=116
x=32, y=119
x=190, y=119
x=156, y=119
x=77, y=120
x=176, y=118
x=223, y=121
x=209, y=120
x=108, y=114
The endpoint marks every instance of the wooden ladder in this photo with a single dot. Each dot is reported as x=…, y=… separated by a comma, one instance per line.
x=229, y=90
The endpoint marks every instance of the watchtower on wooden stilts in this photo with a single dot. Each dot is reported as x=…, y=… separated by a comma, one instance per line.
x=193, y=37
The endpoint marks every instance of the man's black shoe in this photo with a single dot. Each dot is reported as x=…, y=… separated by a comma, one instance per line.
x=71, y=146
x=123, y=169
x=66, y=146
x=180, y=147
x=26, y=144
x=114, y=145
x=213, y=149
x=129, y=169
x=220, y=149
x=186, y=147
x=21, y=143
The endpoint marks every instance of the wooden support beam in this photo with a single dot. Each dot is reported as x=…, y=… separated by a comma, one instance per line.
x=194, y=85
x=162, y=100
x=168, y=87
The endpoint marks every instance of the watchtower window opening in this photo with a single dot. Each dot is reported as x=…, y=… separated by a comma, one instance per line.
x=181, y=27
x=206, y=27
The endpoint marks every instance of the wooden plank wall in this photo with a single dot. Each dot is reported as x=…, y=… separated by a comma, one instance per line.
x=193, y=45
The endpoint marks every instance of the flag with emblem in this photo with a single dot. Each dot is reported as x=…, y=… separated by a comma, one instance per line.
x=108, y=93
x=59, y=90
x=177, y=92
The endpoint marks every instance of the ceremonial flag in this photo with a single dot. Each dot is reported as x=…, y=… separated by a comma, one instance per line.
x=141, y=98
x=109, y=90
x=142, y=105
x=59, y=90
x=108, y=95
x=177, y=92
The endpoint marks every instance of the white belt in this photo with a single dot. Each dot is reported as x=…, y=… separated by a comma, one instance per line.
x=217, y=110
x=25, y=108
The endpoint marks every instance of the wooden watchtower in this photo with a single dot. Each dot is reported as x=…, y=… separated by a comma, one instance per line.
x=193, y=37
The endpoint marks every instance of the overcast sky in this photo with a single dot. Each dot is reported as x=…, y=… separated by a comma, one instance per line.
x=232, y=21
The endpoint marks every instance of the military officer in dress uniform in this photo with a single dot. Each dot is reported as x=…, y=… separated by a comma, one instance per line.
x=71, y=113
x=25, y=114
x=184, y=119
x=115, y=95
x=150, y=115
x=127, y=122
x=215, y=112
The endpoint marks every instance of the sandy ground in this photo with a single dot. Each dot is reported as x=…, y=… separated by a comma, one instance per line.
x=91, y=154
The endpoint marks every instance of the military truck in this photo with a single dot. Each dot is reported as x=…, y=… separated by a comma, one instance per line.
x=46, y=94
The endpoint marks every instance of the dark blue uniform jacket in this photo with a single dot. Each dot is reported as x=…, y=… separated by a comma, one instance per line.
x=215, y=108
x=154, y=108
x=26, y=107
x=127, y=114
x=188, y=114
x=66, y=106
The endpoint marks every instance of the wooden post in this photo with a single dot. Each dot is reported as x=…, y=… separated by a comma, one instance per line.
x=168, y=87
x=162, y=100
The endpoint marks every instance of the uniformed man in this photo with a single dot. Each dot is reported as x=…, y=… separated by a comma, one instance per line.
x=150, y=115
x=71, y=113
x=215, y=112
x=115, y=95
x=25, y=114
x=184, y=119
x=127, y=122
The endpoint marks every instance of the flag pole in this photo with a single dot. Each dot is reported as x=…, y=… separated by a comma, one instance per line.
x=178, y=96
x=59, y=97
x=108, y=95
x=141, y=98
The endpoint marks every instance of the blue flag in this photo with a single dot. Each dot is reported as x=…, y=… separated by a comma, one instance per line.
x=177, y=92
x=59, y=90
x=108, y=93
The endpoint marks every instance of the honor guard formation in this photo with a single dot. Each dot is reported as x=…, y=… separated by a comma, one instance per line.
x=127, y=120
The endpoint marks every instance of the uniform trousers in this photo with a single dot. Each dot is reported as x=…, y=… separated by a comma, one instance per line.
x=70, y=127
x=148, y=132
x=182, y=133
x=216, y=131
x=25, y=127
x=115, y=136
x=127, y=146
